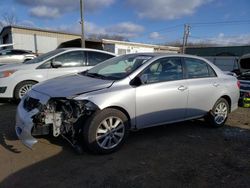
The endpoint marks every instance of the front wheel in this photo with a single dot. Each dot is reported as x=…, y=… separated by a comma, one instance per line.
x=22, y=88
x=218, y=115
x=106, y=131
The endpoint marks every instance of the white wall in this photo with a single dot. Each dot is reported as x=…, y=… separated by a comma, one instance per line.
x=24, y=42
x=27, y=42
x=131, y=49
x=46, y=44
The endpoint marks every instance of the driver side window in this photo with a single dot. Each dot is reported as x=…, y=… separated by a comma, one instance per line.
x=164, y=69
x=70, y=59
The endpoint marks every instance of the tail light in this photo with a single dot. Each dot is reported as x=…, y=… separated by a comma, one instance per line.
x=238, y=84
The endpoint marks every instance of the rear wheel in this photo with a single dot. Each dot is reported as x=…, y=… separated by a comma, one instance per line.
x=106, y=131
x=22, y=88
x=218, y=116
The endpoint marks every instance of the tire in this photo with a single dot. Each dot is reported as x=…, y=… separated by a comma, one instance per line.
x=219, y=114
x=99, y=135
x=21, y=88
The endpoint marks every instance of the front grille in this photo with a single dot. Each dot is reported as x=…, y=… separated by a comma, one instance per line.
x=30, y=103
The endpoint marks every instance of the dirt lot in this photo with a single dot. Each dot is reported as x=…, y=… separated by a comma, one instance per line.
x=187, y=154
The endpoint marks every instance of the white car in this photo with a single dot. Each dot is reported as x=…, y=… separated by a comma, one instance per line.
x=10, y=56
x=17, y=79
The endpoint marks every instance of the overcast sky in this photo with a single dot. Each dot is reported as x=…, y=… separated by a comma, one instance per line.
x=149, y=21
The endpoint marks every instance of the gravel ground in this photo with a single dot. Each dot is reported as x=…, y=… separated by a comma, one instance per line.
x=188, y=154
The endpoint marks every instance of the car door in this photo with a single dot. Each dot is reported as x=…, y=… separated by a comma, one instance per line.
x=70, y=62
x=203, y=85
x=163, y=95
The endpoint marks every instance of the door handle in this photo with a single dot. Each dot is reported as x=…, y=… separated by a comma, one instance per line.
x=182, y=88
x=216, y=84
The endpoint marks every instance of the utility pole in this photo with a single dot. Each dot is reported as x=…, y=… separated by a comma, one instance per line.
x=82, y=23
x=185, y=37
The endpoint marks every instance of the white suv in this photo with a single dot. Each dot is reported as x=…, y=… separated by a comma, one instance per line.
x=17, y=79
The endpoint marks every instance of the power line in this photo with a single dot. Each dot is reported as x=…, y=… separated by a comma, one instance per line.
x=166, y=29
x=220, y=22
x=200, y=24
x=204, y=39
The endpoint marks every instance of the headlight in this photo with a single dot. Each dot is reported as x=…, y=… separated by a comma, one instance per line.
x=6, y=73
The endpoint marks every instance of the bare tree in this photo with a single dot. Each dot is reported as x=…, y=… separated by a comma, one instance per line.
x=8, y=18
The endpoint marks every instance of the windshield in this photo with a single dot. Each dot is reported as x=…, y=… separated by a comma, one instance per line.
x=44, y=56
x=119, y=67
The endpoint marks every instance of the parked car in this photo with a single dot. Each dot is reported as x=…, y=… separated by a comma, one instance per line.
x=17, y=79
x=133, y=91
x=244, y=77
x=15, y=56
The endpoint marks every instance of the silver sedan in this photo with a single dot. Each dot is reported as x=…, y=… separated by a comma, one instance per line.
x=98, y=107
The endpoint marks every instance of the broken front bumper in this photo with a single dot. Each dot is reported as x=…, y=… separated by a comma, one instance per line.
x=24, y=125
x=24, y=119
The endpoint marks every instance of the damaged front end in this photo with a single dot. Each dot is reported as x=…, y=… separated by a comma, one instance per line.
x=41, y=115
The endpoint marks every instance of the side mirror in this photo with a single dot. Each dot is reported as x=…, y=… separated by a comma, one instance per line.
x=136, y=82
x=56, y=64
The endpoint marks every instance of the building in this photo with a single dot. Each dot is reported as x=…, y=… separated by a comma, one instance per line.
x=123, y=47
x=236, y=51
x=43, y=40
x=120, y=47
x=37, y=40
x=226, y=58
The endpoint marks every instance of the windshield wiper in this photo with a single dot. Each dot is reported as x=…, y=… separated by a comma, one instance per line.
x=95, y=75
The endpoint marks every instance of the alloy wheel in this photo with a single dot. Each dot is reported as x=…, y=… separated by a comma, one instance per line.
x=220, y=113
x=24, y=89
x=110, y=132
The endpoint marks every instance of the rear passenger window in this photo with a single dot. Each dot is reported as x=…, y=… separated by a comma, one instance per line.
x=97, y=57
x=197, y=68
x=71, y=59
x=211, y=71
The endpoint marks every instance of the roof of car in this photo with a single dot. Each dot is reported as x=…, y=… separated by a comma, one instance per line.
x=87, y=49
x=162, y=54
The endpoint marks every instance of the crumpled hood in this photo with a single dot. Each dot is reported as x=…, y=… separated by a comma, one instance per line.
x=71, y=85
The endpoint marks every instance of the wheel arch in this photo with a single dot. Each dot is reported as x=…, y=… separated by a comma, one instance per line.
x=30, y=80
x=228, y=99
x=123, y=111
